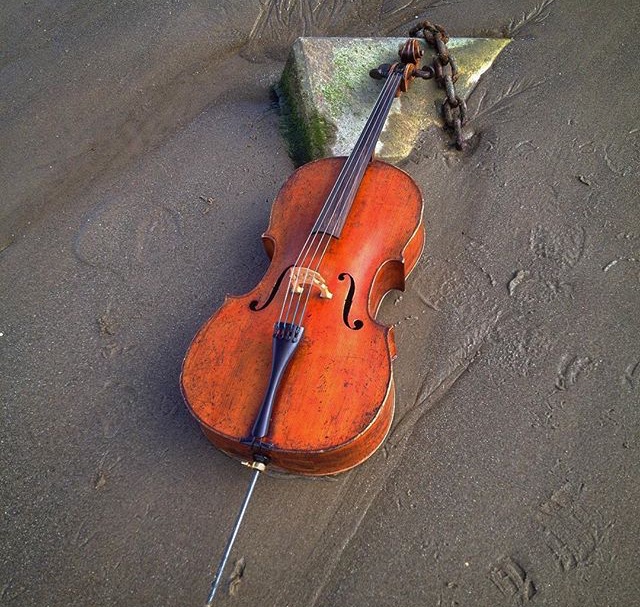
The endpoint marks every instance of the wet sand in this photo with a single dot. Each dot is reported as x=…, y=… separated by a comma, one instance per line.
x=142, y=151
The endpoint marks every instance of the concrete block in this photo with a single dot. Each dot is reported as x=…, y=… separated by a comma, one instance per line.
x=326, y=93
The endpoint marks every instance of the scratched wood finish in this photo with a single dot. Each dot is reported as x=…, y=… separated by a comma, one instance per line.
x=335, y=403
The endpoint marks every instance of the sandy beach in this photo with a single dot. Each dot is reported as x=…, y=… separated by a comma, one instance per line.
x=141, y=152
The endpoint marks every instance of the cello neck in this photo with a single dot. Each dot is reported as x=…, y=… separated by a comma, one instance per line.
x=335, y=211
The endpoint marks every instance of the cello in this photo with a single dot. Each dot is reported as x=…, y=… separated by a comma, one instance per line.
x=297, y=375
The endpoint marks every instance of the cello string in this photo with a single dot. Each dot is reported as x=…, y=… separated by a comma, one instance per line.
x=360, y=168
x=332, y=199
x=380, y=115
x=345, y=180
x=353, y=186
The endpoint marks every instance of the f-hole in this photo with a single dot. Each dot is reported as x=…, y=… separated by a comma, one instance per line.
x=254, y=304
x=357, y=324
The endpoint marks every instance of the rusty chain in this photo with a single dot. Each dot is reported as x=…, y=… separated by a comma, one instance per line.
x=445, y=71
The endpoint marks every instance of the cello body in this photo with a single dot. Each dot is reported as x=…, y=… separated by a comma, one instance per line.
x=334, y=404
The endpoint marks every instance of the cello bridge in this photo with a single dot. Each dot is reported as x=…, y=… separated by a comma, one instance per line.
x=299, y=277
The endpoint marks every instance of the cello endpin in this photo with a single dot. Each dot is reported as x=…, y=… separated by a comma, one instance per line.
x=258, y=468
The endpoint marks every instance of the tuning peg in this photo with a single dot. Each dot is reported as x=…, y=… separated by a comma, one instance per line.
x=427, y=72
x=380, y=72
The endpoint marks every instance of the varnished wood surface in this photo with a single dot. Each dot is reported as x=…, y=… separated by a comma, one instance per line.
x=335, y=403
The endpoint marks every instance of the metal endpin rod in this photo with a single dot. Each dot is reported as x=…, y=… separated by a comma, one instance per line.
x=232, y=538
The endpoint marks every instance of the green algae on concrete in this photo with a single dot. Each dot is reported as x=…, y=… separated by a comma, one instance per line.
x=327, y=94
x=308, y=133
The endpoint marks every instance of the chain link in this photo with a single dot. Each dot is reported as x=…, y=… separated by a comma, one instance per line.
x=445, y=70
